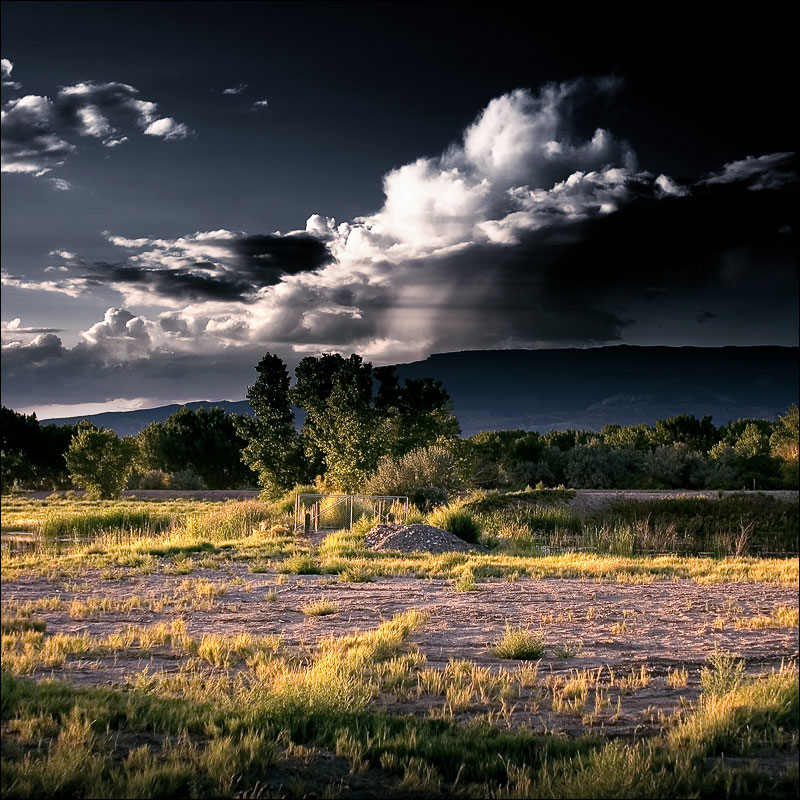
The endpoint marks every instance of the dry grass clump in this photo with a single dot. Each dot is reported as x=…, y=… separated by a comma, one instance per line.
x=781, y=617
x=321, y=607
x=519, y=643
x=678, y=677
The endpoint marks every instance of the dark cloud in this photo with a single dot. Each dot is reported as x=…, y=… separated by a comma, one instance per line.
x=29, y=141
x=253, y=262
x=704, y=316
x=176, y=284
x=34, y=127
x=672, y=243
x=268, y=256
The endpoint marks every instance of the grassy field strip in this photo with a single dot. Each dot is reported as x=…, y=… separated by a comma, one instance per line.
x=226, y=728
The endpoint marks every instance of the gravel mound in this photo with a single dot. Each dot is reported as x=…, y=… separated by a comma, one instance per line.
x=408, y=538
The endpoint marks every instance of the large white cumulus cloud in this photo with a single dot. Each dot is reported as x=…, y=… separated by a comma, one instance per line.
x=513, y=159
x=466, y=251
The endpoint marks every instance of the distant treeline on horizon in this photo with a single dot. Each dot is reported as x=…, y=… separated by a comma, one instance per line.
x=202, y=448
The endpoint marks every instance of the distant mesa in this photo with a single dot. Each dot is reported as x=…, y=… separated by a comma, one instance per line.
x=577, y=388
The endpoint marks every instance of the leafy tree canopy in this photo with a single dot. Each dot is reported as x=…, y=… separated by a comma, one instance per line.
x=99, y=461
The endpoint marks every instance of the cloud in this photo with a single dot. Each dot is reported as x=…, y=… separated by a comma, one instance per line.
x=523, y=233
x=15, y=328
x=36, y=130
x=235, y=89
x=772, y=171
x=213, y=266
x=167, y=128
x=29, y=142
x=6, y=68
x=69, y=286
x=49, y=372
x=259, y=104
x=60, y=184
x=667, y=187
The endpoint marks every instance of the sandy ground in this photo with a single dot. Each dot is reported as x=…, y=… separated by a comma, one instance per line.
x=666, y=625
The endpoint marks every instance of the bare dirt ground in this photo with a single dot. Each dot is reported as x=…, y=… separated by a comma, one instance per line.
x=663, y=625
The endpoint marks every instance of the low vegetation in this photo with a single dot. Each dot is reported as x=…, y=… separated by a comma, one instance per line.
x=127, y=672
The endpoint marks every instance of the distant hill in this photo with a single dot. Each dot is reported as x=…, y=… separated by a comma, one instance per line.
x=579, y=388
x=129, y=423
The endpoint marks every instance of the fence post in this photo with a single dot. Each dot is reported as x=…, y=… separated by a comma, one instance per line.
x=307, y=525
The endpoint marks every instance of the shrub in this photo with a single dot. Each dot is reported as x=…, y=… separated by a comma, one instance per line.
x=519, y=643
x=185, y=479
x=455, y=519
x=426, y=475
x=320, y=608
x=724, y=673
x=285, y=503
x=151, y=479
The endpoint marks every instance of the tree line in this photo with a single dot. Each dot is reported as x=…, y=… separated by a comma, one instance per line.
x=344, y=425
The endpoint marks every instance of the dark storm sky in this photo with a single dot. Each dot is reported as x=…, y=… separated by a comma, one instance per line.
x=186, y=186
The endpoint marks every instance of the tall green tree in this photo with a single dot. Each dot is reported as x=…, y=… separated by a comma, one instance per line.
x=99, y=461
x=699, y=435
x=273, y=448
x=353, y=416
x=32, y=454
x=202, y=440
x=340, y=432
x=417, y=414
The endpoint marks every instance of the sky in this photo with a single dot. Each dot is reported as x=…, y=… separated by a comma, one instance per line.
x=187, y=186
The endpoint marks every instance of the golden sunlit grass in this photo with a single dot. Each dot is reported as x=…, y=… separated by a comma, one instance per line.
x=519, y=643
x=781, y=617
x=225, y=728
x=231, y=704
x=320, y=608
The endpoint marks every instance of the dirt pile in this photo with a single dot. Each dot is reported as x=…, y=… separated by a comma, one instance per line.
x=408, y=538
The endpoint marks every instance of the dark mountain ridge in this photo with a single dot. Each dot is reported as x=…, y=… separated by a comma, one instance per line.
x=577, y=388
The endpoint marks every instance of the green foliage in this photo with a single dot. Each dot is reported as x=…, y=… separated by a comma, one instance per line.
x=415, y=415
x=457, y=520
x=724, y=673
x=185, y=479
x=273, y=447
x=32, y=454
x=519, y=643
x=491, y=501
x=680, y=452
x=202, y=441
x=699, y=435
x=427, y=475
x=347, y=427
x=785, y=439
x=99, y=461
x=702, y=524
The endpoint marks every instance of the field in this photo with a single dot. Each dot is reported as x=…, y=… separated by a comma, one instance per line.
x=198, y=648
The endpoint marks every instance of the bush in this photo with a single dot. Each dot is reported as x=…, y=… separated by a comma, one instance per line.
x=426, y=475
x=285, y=503
x=185, y=479
x=703, y=524
x=151, y=479
x=455, y=519
x=519, y=643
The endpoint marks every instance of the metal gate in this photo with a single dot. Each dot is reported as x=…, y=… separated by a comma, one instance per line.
x=334, y=512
